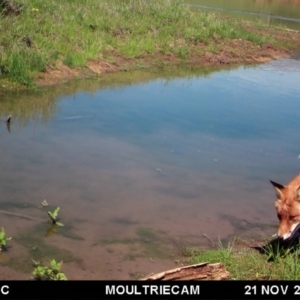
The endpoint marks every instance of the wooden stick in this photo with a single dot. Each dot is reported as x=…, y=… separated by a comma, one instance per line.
x=202, y=271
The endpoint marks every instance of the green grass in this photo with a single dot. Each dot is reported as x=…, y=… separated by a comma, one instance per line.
x=75, y=32
x=272, y=262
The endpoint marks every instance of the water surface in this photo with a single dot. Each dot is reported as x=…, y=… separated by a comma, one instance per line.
x=145, y=164
x=276, y=12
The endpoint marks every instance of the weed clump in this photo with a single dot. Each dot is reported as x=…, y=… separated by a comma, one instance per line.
x=3, y=240
x=52, y=272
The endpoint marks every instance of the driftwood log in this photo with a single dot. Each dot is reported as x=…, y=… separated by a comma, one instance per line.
x=202, y=271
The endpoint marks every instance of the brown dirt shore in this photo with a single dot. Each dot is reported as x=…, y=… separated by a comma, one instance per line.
x=218, y=52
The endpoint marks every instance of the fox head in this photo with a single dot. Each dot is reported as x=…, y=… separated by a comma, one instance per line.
x=288, y=207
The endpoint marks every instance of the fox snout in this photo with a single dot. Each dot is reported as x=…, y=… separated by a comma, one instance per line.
x=288, y=207
x=286, y=231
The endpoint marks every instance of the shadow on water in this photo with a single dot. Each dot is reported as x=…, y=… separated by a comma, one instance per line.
x=249, y=230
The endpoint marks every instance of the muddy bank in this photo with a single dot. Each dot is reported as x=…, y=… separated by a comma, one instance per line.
x=222, y=52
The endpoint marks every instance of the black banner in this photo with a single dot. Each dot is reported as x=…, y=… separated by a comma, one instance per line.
x=85, y=290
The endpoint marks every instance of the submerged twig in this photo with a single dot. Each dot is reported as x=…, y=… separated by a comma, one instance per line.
x=8, y=119
x=20, y=215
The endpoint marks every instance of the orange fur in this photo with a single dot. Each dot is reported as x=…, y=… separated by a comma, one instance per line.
x=288, y=207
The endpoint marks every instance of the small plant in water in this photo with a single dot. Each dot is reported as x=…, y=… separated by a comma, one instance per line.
x=3, y=240
x=53, y=217
x=44, y=203
x=53, y=272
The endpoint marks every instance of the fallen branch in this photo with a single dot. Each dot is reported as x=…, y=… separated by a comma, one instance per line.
x=202, y=271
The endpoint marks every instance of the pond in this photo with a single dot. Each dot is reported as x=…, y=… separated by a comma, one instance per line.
x=143, y=164
x=275, y=12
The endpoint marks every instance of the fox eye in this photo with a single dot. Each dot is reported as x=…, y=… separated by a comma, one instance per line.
x=292, y=218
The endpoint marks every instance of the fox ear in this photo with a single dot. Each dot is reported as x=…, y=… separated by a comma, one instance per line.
x=298, y=193
x=278, y=188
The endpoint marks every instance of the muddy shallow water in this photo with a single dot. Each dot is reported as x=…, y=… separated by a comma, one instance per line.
x=143, y=164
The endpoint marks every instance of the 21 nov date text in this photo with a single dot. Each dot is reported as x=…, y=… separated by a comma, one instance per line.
x=273, y=289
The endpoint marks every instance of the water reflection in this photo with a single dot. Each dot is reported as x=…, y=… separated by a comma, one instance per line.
x=41, y=105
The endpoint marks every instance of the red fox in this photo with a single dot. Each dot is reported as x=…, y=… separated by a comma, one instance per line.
x=288, y=207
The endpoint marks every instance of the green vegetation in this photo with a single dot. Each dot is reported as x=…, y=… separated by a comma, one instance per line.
x=46, y=34
x=53, y=272
x=3, y=240
x=53, y=216
x=274, y=261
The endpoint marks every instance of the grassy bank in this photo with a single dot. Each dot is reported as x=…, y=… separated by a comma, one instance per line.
x=246, y=262
x=48, y=41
